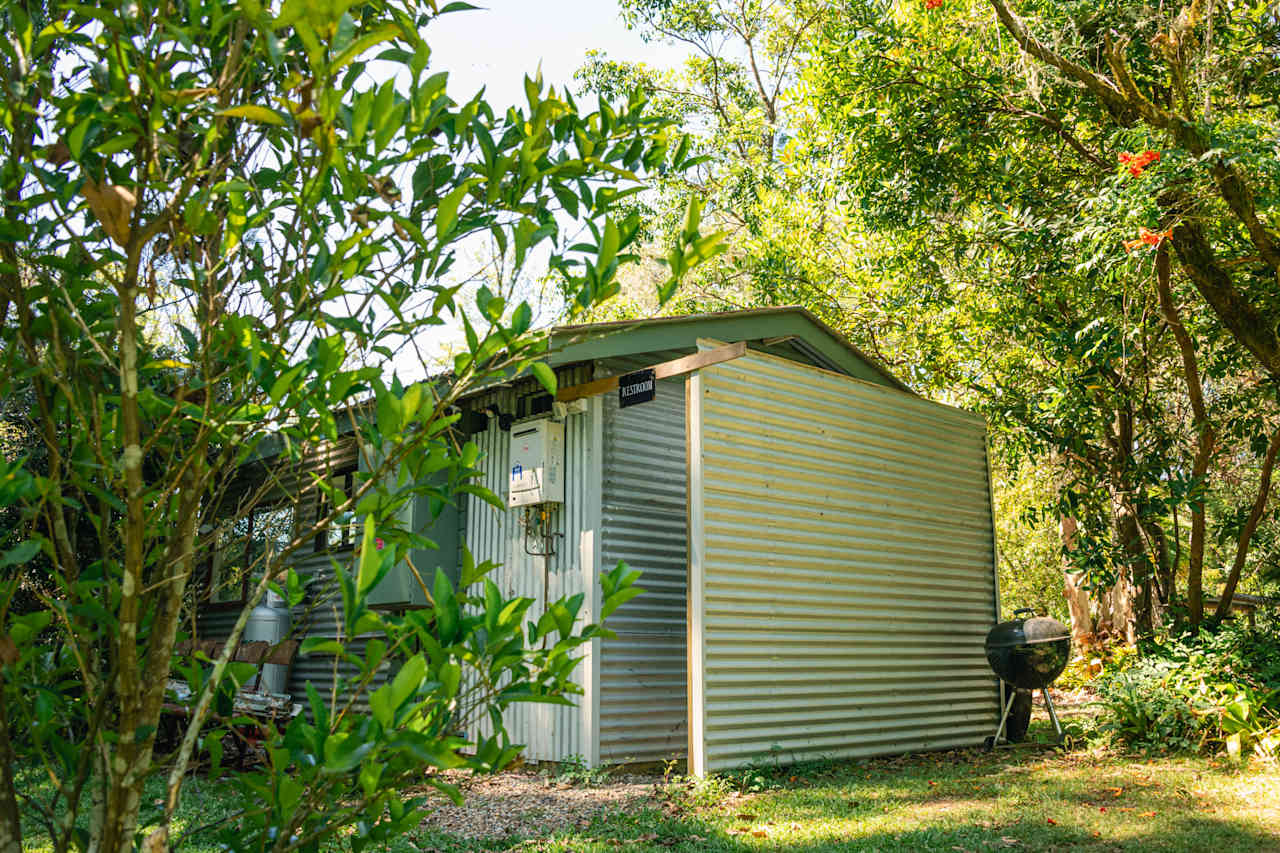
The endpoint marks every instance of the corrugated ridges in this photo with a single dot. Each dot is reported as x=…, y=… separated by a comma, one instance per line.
x=645, y=523
x=549, y=732
x=848, y=567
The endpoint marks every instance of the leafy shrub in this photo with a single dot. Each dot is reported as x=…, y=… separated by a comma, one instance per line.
x=574, y=770
x=1213, y=690
x=1085, y=667
x=696, y=792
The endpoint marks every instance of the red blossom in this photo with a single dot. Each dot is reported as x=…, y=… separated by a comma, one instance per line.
x=1147, y=237
x=933, y=4
x=378, y=543
x=1138, y=162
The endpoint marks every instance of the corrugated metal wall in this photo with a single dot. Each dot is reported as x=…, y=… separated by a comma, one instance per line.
x=843, y=578
x=550, y=732
x=643, y=700
x=320, y=614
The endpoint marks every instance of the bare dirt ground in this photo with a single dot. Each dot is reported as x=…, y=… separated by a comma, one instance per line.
x=512, y=802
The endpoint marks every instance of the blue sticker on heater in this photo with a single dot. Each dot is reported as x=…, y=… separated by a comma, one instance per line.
x=517, y=470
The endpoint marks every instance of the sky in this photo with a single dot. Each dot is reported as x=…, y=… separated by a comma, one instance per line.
x=497, y=45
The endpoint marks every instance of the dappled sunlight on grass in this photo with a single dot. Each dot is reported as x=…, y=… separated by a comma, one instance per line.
x=970, y=802
x=956, y=801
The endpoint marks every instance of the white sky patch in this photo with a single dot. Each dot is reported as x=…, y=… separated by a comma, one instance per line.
x=494, y=48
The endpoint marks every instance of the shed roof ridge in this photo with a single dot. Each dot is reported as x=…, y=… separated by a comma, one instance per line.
x=611, y=327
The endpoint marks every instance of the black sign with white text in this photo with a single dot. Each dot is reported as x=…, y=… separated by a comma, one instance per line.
x=635, y=388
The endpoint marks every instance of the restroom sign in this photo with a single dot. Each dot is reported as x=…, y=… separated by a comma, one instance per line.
x=636, y=387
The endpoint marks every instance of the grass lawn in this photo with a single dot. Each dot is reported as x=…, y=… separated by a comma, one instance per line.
x=965, y=801
x=957, y=801
x=205, y=802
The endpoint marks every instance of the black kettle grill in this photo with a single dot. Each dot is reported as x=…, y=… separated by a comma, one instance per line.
x=1028, y=653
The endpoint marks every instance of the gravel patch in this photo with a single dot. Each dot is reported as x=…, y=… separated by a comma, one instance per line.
x=527, y=804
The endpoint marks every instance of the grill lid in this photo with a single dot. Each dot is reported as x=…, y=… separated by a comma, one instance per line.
x=1026, y=632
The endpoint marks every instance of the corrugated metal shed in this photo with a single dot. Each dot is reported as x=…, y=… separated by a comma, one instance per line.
x=842, y=576
x=320, y=613
x=816, y=544
x=643, y=698
x=550, y=732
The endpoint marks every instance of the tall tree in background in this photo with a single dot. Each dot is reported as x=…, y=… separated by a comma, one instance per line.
x=1033, y=235
x=1196, y=80
x=734, y=96
x=995, y=233
x=302, y=219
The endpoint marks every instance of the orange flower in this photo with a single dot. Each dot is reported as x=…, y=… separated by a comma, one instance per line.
x=1138, y=162
x=932, y=4
x=1147, y=237
x=1153, y=238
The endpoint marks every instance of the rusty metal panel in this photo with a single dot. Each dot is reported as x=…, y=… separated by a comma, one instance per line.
x=843, y=562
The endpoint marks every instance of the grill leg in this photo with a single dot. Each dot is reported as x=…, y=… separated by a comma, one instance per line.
x=1048, y=703
x=1004, y=718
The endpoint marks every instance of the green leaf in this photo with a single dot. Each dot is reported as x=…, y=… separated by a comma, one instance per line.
x=212, y=744
x=253, y=112
x=320, y=646
x=380, y=706
x=450, y=678
x=545, y=375
x=446, y=608
x=79, y=136
x=692, y=216
x=360, y=115
x=20, y=553
x=521, y=319
x=343, y=752
x=116, y=144
x=609, y=242
x=363, y=43
x=369, y=558
x=447, y=210
x=567, y=199
x=390, y=414
x=617, y=600
x=407, y=681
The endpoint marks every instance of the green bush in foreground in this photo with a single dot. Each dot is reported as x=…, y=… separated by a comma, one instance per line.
x=227, y=229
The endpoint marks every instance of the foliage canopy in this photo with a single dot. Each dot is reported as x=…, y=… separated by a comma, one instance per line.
x=291, y=188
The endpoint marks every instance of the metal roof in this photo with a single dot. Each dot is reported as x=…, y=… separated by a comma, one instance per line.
x=627, y=337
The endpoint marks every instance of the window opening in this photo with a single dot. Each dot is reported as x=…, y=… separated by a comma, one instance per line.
x=243, y=546
x=341, y=532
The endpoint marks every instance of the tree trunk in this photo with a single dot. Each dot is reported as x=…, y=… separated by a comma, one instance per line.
x=1129, y=612
x=1206, y=436
x=1078, y=604
x=1246, y=533
x=1129, y=616
x=1115, y=611
x=1165, y=571
x=10, y=828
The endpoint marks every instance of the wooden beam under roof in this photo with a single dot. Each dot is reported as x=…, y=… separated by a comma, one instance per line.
x=665, y=370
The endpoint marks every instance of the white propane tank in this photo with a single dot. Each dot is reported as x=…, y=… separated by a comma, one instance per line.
x=269, y=621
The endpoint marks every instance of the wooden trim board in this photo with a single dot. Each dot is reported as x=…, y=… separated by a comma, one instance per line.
x=665, y=370
x=696, y=606
x=591, y=557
